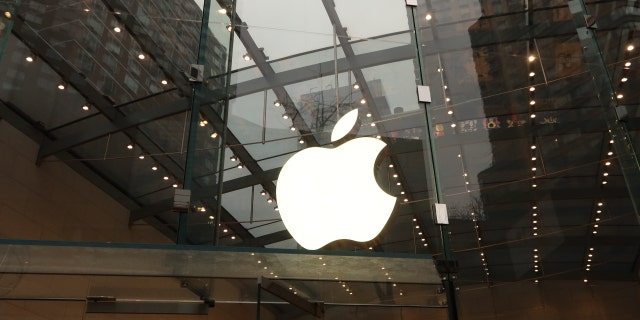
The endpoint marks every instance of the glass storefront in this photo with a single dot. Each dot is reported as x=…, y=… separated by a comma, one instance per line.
x=528, y=133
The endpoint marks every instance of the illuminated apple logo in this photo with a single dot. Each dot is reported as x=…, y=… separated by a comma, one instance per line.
x=331, y=194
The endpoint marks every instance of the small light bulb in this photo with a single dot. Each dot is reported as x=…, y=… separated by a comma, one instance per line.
x=175, y=185
x=356, y=86
x=630, y=47
x=154, y=168
x=532, y=74
x=141, y=157
x=117, y=29
x=363, y=101
x=428, y=17
x=165, y=178
x=450, y=112
x=624, y=79
x=532, y=58
x=532, y=89
x=29, y=59
x=619, y=96
x=164, y=82
x=130, y=146
x=86, y=107
x=141, y=56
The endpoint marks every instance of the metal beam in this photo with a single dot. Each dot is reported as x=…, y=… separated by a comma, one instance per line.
x=260, y=59
x=314, y=308
x=139, y=32
x=263, y=178
x=117, y=125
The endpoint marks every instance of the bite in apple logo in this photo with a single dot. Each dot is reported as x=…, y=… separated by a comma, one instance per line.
x=329, y=194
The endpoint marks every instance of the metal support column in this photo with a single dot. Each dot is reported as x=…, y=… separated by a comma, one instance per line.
x=193, y=124
x=447, y=277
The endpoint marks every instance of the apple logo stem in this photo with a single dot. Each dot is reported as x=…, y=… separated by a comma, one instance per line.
x=329, y=194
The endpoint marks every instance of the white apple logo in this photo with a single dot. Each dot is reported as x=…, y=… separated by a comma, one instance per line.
x=331, y=194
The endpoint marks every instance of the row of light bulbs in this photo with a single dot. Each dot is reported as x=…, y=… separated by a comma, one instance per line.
x=483, y=257
x=420, y=233
x=30, y=58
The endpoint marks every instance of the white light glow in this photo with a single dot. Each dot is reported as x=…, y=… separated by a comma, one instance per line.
x=340, y=191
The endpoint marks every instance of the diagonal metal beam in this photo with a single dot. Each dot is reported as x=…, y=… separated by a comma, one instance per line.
x=117, y=125
x=203, y=193
x=260, y=59
x=147, y=44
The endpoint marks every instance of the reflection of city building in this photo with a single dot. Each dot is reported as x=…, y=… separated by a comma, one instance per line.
x=318, y=108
